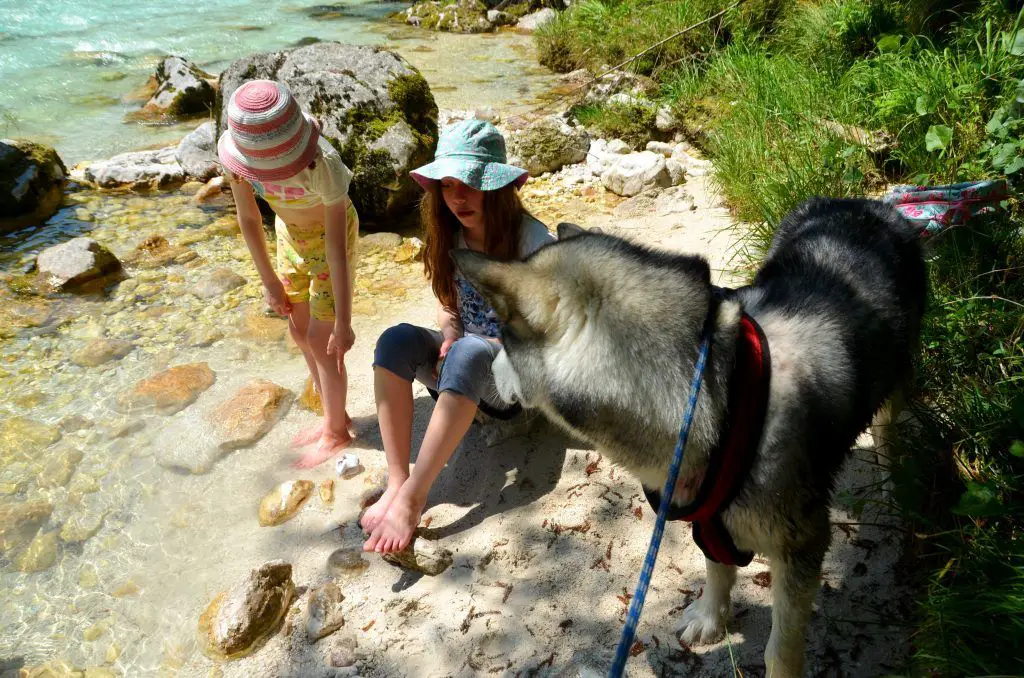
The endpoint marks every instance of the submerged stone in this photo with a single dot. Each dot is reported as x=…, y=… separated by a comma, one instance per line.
x=284, y=502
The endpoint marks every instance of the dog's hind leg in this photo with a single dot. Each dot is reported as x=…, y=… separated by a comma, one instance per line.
x=795, y=582
x=883, y=428
x=704, y=619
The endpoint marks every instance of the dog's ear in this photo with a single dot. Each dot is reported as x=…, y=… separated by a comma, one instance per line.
x=490, y=277
x=567, y=230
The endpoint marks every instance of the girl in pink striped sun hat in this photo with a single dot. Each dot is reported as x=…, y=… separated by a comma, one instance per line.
x=274, y=150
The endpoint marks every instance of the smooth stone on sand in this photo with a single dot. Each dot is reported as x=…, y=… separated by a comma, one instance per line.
x=21, y=438
x=264, y=329
x=247, y=613
x=40, y=555
x=323, y=613
x=249, y=414
x=20, y=521
x=346, y=562
x=423, y=556
x=58, y=471
x=81, y=526
x=219, y=282
x=310, y=399
x=284, y=502
x=100, y=351
x=169, y=391
x=327, y=491
x=57, y=668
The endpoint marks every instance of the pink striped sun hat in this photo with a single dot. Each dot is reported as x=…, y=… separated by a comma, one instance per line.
x=269, y=138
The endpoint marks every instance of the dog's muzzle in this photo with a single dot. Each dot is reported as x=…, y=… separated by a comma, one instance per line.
x=506, y=379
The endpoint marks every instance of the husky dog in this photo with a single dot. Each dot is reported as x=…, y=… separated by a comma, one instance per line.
x=602, y=335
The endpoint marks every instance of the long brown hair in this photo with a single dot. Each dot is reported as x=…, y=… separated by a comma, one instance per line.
x=503, y=216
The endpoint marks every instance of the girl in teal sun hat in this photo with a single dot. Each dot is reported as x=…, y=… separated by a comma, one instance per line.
x=471, y=200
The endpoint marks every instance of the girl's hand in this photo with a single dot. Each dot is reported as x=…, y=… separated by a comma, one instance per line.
x=276, y=298
x=445, y=346
x=340, y=343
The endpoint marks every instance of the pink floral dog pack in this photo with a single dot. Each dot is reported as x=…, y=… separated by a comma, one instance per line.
x=936, y=208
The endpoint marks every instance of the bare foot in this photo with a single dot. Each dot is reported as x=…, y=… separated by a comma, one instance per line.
x=314, y=433
x=375, y=513
x=330, y=445
x=308, y=435
x=394, y=531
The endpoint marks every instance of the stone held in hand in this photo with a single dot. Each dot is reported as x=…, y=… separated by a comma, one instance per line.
x=240, y=618
x=284, y=501
x=423, y=556
x=72, y=265
x=323, y=613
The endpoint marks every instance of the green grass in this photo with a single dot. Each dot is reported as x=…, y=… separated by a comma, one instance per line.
x=594, y=34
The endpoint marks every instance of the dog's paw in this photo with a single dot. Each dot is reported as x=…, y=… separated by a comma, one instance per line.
x=701, y=625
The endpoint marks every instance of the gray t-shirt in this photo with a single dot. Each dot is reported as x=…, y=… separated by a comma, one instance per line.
x=476, y=314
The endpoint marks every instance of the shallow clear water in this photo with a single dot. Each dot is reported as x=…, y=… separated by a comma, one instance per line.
x=68, y=67
x=130, y=550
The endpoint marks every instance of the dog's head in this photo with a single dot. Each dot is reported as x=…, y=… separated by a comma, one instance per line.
x=591, y=325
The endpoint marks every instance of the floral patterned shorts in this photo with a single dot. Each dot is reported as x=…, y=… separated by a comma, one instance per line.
x=302, y=264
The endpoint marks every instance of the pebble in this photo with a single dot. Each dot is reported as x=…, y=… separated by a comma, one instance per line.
x=346, y=562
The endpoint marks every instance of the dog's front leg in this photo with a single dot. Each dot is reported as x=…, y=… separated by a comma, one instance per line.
x=794, y=585
x=704, y=620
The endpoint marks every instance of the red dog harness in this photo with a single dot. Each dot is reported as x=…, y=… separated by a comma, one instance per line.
x=730, y=462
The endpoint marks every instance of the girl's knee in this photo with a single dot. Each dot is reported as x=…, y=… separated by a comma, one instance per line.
x=467, y=367
x=396, y=342
x=299, y=334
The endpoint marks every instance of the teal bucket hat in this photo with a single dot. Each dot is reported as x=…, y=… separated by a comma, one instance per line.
x=472, y=151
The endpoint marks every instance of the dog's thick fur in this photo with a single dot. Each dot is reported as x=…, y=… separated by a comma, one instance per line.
x=602, y=336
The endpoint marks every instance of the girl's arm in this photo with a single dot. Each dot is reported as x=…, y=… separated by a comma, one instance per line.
x=336, y=244
x=251, y=224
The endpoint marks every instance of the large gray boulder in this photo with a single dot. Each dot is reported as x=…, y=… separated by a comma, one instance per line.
x=143, y=170
x=70, y=265
x=32, y=179
x=372, y=105
x=197, y=152
x=183, y=90
x=547, y=145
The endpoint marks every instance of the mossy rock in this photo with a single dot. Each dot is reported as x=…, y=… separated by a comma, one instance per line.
x=32, y=180
x=373, y=107
x=460, y=16
x=183, y=91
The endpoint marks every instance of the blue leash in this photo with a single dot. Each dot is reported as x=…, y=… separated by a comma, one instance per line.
x=636, y=606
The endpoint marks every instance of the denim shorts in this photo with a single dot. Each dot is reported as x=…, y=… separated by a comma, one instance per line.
x=412, y=352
